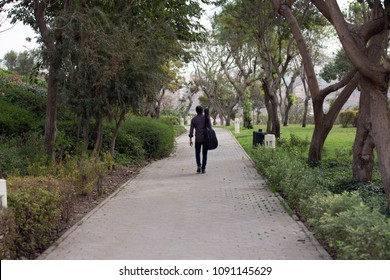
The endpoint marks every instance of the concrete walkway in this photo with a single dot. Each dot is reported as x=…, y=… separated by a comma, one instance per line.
x=170, y=212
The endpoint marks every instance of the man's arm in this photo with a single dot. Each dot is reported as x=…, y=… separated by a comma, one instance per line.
x=191, y=132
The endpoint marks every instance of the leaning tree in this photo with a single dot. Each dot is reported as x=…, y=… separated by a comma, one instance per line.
x=366, y=47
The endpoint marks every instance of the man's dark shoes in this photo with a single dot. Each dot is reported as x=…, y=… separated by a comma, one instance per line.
x=198, y=169
x=203, y=171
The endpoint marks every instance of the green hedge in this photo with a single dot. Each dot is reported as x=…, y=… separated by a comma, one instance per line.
x=7, y=235
x=35, y=205
x=157, y=137
x=349, y=117
x=40, y=205
x=170, y=119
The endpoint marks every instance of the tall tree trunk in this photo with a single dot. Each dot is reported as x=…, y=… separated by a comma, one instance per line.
x=363, y=152
x=99, y=137
x=305, y=111
x=323, y=123
x=51, y=43
x=272, y=104
x=287, y=113
x=275, y=117
x=363, y=156
x=51, y=107
x=116, y=131
x=188, y=108
x=289, y=100
x=320, y=134
x=381, y=129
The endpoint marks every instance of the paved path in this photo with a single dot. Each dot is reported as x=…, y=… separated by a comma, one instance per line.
x=170, y=212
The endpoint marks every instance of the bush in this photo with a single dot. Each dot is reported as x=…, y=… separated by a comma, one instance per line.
x=14, y=120
x=294, y=145
x=350, y=228
x=7, y=235
x=349, y=117
x=179, y=130
x=66, y=138
x=298, y=181
x=10, y=159
x=157, y=137
x=129, y=149
x=35, y=203
x=28, y=99
x=352, y=221
x=170, y=119
x=15, y=153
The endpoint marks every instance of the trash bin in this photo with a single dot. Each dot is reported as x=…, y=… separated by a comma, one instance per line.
x=258, y=137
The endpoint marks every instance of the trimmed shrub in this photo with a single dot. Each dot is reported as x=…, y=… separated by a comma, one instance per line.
x=7, y=235
x=157, y=137
x=179, y=130
x=348, y=117
x=130, y=149
x=170, y=119
x=35, y=203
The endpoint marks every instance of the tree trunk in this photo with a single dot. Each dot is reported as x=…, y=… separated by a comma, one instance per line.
x=51, y=108
x=99, y=137
x=381, y=130
x=363, y=152
x=221, y=119
x=317, y=142
x=116, y=131
x=51, y=43
x=228, y=119
x=275, y=117
x=363, y=157
x=305, y=110
x=272, y=104
x=286, y=114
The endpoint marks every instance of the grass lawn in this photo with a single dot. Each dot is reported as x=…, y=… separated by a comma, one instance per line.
x=339, y=138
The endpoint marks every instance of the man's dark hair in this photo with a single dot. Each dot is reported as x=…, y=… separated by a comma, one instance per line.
x=199, y=109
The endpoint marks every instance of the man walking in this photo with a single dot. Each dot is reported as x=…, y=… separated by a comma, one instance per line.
x=199, y=124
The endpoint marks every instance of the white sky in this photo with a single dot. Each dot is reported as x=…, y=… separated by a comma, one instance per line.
x=13, y=37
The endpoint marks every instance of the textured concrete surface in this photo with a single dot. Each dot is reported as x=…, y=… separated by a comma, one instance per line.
x=170, y=212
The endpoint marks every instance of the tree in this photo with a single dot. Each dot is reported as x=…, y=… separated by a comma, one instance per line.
x=287, y=101
x=365, y=48
x=10, y=60
x=240, y=63
x=208, y=76
x=41, y=16
x=157, y=32
x=323, y=121
x=337, y=68
x=366, y=51
x=191, y=90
